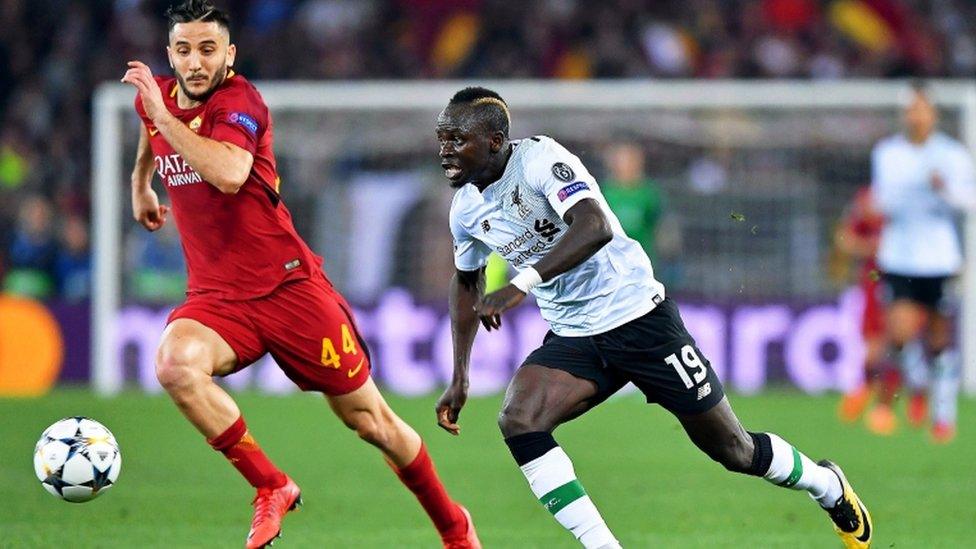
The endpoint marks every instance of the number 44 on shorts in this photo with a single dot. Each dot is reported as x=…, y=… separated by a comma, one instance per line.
x=690, y=362
x=329, y=355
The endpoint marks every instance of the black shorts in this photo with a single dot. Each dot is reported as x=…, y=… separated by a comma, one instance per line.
x=655, y=352
x=928, y=291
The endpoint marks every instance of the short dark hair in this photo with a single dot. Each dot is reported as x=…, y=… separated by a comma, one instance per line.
x=492, y=109
x=919, y=86
x=197, y=10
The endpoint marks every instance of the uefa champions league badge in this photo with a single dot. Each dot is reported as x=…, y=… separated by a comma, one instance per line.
x=244, y=120
x=570, y=190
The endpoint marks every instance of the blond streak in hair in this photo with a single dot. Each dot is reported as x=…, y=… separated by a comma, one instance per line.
x=494, y=101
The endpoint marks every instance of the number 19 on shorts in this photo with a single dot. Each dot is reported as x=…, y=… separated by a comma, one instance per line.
x=688, y=362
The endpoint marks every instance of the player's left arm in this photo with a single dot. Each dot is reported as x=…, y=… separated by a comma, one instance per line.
x=589, y=230
x=224, y=165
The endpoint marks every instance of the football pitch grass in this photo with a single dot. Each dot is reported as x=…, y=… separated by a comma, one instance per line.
x=653, y=487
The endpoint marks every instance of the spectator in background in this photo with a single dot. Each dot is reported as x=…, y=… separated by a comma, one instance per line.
x=72, y=267
x=156, y=265
x=632, y=195
x=33, y=250
x=46, y=90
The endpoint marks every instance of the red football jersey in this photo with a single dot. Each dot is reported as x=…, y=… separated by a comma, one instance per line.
x=237, y=246
x=865, y=221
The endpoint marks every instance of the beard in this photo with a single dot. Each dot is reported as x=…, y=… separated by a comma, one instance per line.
x=216, y=81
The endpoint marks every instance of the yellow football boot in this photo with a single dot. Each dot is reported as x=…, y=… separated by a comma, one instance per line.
x=852, y=522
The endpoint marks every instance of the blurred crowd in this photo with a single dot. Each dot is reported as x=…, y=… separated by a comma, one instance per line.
x=54, y=52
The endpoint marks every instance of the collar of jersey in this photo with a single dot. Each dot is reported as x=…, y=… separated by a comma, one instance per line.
x=505, y=172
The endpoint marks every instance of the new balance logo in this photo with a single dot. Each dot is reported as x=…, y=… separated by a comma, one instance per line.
x=704, y=390
x=546, y=229
x=485, y=226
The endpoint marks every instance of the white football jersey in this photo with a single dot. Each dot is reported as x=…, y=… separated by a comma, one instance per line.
x=520, y=217
x=919, y=236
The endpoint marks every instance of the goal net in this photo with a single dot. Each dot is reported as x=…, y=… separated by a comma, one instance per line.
x=751, y=179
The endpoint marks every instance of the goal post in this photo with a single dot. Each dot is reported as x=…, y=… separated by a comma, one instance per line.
x=313, y=121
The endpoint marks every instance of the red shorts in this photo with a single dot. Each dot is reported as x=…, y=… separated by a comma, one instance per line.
x=305, y=325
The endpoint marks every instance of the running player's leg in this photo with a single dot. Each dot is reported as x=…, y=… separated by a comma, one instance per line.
x=856, y=401
x=883, y=379
x=537, y=401
x=311, y=333
x=206, y=338
x=659, y=356
x=189, y=357
x=905, y=322
x=718, y=433
x=945, y=377
x=365, y=411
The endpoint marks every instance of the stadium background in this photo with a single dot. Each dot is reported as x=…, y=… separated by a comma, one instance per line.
x=747, y=201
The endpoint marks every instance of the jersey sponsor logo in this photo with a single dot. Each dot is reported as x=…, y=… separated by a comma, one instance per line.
x=546, y=229
x=174, y=171
x=570, y=190
x=485, y=226
x=243, y=120
x=516, y=243
x=521, y=256
x=563, y=172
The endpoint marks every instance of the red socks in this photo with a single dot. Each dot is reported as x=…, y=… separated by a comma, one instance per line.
x=421, y=478
x=243, y=452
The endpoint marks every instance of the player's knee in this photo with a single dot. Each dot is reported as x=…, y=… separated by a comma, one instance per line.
x=901, y=336
x=514, y=420
x=179, y=368
x=938, y=340
x=372, y=427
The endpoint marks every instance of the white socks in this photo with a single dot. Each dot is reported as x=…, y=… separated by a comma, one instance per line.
x=944, y=392
x=553, y=481
x=791, y=469
x=915, y=366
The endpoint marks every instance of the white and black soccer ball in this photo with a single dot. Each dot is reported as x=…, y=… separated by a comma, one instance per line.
x=77, y=459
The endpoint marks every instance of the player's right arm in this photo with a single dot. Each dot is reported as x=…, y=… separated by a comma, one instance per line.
x=466, y=289
x=146, y=208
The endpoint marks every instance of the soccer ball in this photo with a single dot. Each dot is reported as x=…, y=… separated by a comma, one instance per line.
x=77, y=459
